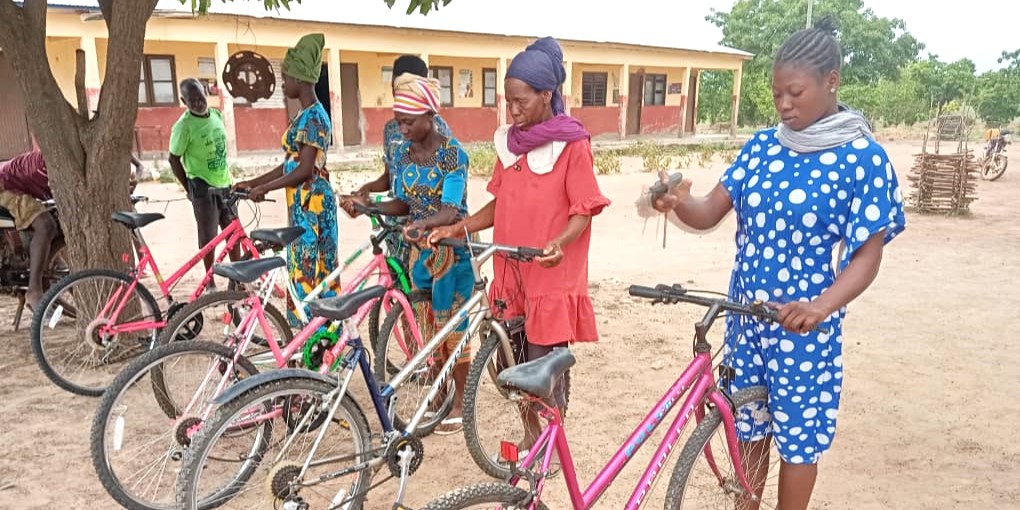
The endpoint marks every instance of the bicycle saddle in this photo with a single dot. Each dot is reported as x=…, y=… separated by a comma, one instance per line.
x=247, y=271
x=538, y=377
x=343, y=307
x=277, y=236
x=135, y=220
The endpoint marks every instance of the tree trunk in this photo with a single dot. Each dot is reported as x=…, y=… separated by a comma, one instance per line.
x=88, y=160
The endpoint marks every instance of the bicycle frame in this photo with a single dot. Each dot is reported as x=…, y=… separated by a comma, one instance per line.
x=233, y=235
x=697, y=381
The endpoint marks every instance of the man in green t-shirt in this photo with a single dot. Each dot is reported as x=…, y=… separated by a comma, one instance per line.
x=198, y=157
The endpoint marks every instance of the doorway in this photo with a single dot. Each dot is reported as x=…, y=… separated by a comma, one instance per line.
x=350, y=103
x=691, y=114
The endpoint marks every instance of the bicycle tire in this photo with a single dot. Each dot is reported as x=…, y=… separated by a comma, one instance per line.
x=169, y=335
x=479, y=369
x=195, y=457
x=132, y=373
x=415, y=297
x=480, y=494
x=996, y=171
x=39, y=320
x=695, y=445
x=384, y=370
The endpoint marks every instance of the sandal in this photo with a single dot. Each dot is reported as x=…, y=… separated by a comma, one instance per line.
x=450, y=426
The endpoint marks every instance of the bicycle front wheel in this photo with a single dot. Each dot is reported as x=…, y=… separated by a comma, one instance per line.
x=484, y=495
x=704, y=476
x=395, y=349
x=68, y=338
x=136, y=446
x=234, y=464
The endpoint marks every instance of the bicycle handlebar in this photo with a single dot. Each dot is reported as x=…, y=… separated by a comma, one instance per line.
x=672, y=294
x=233, y=195
x=523, y=252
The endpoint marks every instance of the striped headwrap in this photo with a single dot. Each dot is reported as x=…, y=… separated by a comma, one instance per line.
x=415, y=95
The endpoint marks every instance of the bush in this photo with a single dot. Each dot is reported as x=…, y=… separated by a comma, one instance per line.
x=482, y=159
x=167, y=177
x=654, y=156
x=607, y=162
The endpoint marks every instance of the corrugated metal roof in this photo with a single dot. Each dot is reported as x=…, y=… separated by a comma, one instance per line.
x=375, y=13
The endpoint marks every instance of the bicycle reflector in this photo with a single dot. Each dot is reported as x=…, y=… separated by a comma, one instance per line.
x=508, y=451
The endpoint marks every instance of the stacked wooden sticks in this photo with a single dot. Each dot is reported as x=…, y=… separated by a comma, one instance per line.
x=944, y=183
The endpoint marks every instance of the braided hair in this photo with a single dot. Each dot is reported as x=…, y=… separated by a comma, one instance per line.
x=814, y=48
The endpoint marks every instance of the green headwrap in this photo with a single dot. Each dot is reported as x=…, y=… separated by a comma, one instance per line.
x=304, y=61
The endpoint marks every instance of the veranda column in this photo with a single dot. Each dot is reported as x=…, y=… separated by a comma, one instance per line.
x=624, y=93
x=568, y=86
x=685, y=87
x=500, y=91
x=92, y=79
x=226, y=101
x=737, y=77
x=336, y=109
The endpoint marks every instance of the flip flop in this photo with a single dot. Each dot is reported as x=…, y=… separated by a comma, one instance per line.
x=456, y=426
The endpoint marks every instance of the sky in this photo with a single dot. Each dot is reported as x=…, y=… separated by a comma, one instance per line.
x=981, y=31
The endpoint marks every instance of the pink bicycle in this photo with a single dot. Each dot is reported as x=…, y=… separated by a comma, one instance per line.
x=92, y=321
x=722, y=480
x=146, y=420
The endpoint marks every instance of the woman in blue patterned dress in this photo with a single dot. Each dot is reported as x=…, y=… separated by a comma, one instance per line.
x=310, y=200
x=430, y=186
x=817, y=180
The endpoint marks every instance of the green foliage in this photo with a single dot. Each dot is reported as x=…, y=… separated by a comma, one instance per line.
x=941, y=82
x=607, y=162
x=874, y=47
x=167, y=177
x=998, y=96
x=422, y=6
x=654, y=157
x=481, y=158
x=715, y=96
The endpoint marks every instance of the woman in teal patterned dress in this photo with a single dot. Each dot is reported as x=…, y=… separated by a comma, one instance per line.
x=310, y=200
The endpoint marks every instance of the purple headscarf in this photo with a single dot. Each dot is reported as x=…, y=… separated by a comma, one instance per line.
x=540, y=65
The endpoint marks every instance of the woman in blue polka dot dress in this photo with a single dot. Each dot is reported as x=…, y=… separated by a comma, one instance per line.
x=799, y=190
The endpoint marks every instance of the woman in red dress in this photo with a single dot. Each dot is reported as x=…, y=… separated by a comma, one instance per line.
x=545, y=195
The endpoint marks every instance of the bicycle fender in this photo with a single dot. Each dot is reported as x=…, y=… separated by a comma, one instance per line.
x=268, y=377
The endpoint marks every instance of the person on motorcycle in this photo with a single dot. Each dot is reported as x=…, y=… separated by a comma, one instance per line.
x=23, y=186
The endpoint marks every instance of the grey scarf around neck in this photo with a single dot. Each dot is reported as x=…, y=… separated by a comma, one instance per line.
x=840, y=128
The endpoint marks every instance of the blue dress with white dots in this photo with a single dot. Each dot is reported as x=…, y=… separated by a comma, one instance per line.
x=792, y=211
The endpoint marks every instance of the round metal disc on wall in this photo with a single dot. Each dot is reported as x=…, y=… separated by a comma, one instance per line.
x=249, y=75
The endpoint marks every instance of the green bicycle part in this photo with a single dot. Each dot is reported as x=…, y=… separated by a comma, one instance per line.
x=357, y=253
x=398, y=269
x=323, y=339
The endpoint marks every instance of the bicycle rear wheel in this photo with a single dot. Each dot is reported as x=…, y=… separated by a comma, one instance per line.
x=489, y=416
x=66, y=329
x=136, y=446
x=484, y=495
x=227, y=468
x=695, y=484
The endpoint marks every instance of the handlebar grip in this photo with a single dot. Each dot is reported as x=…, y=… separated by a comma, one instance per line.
x=453, y=242
x=644, y=292
x=659, y=187
x=530, y=253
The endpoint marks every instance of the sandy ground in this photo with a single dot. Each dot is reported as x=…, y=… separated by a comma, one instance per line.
x=929, y=410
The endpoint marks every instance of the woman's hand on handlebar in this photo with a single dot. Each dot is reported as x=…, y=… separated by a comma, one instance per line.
x=800, y=317
x=676, y=194
x=416, y=234
x=347, y=203
x=445, y=232
x=553, y=255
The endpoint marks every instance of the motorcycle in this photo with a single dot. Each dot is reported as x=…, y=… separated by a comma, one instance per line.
x=993, y=165
x=15, y=259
